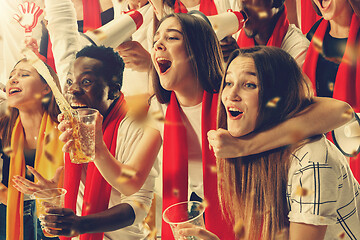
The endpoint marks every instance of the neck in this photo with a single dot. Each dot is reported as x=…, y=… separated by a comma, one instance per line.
x=268, y=27
x=190, y=3
x=190, y=97
x=340, y=26
x=31, y=122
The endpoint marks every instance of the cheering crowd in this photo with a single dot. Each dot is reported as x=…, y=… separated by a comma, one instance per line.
x=240, y=124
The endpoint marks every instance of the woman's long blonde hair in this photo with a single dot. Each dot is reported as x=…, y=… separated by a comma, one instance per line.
x=253, y=189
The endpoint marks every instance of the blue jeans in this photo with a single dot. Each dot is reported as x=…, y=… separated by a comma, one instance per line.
x=31, y=223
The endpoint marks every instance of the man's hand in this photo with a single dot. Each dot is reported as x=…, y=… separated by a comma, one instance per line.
x=223, y=144
x=29, y=15
x=228, y=45
x=61, y=221
x=25, y=186
x=135, y=56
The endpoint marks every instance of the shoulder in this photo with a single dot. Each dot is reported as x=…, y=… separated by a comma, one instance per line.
x=294, y=37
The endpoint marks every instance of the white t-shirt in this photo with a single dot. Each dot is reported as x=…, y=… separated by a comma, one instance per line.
x=332, y=196
x=129, y=134
x=192, y=123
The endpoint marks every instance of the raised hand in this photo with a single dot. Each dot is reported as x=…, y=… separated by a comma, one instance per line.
x=28, y=17
x=135, y=56
x=25, y=186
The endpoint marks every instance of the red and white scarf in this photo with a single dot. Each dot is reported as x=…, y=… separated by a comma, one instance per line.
x=175, y=165
x=308, y=16
x=275, y=39
x=94, y=202
x=347, y=82
x=207, y=7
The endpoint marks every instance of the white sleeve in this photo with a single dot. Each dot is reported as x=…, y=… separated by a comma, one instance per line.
x=129, y=135
x=64, y=35
x=313, y=187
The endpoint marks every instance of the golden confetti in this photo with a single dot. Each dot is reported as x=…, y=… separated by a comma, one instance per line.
x=239, y=229
x=273, y=102
x=138, y=106
x=100, y=34
x=331, y=86
x=45, y=100
x=87, y=206
x=302, y=192
x=176, y=192
x=341, y=235
x=317, y=43
x=126, y=174
x=213, y=169
x=49, y=156
x=141, y=205
x=263, y=14
x=7, y=151
x=37, y=96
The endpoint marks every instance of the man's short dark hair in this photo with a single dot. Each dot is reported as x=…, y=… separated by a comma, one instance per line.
x=112, y=67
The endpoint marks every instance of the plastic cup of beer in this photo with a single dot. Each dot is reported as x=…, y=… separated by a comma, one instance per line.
x=184, y=212
x=53, y=197
x=83, y=150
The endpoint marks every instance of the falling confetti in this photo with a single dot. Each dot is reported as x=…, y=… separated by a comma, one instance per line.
x=213, y=169
x=126, y=175
x=239, y=229
x=331, y=86
x=100, y=34
x=341, y=235
x=141, y=205
x=273, y=102
x=176, y=192
x=263, y=14
x=302, y=192
x=45, y=100
x=87, y=206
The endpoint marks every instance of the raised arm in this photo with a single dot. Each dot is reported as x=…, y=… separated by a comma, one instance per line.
x=324, y=115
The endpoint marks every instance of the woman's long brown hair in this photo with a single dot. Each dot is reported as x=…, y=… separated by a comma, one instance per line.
x=252, y=189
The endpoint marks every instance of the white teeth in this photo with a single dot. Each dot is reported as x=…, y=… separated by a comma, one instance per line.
x=162, y=59
x=77, y=105
x=233, y=109
x=14, y=90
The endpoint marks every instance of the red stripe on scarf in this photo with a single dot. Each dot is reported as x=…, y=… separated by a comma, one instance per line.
x=94, y=202
x=275, y=39
x=347, y=83
x=175, y=165
x=207, y=7
x=91, y=13
x=308, y=16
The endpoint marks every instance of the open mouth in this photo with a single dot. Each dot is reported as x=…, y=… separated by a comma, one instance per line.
x=14, y=91
x=234, y=112
x=164, y=64
x=78, y=105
